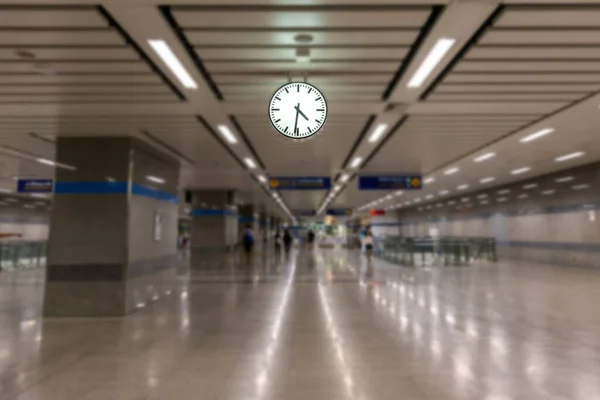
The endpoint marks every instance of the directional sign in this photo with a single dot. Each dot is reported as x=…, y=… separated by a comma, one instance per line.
x=389, y=182
x=35, y=185
x=300, y=183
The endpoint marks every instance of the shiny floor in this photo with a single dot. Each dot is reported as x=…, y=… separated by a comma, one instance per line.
x=314, y=326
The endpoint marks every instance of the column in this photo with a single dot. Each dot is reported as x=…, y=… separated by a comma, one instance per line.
x=113, y=233
x=214, y=221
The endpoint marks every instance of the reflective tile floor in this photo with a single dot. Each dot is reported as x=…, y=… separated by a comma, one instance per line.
x=314, y=327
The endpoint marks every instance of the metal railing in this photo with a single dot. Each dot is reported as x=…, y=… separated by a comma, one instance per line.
x=16, y=255
x=440, y=251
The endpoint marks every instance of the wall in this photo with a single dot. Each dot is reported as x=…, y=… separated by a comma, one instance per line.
x=562, y=227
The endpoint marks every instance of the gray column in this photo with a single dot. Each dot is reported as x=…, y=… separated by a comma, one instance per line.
x=113, y=232
x=214, y=221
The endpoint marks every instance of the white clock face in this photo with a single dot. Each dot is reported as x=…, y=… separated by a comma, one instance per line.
x=298, y=110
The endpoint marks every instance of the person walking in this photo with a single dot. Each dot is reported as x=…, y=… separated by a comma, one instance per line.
x=368, y=243
x=287, y=241
x=310, y=239
x=278, y=241
x=248, y=243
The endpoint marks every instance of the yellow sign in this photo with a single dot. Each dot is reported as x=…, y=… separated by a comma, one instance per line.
x=274, y=183
x=415, y=182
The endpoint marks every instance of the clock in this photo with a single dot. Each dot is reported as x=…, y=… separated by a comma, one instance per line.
x=298, y=110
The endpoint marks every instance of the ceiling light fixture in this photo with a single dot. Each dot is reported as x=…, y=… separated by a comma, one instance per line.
x=482, y=196
x=377, y=133
x=164, y=51
x=519, y=171
x=451, y=171
x=345, y=177
x=487, y=180
x=463, y=187
x=429, y=196
x=564, y=179
x=530, y=186
x=262, y=178
x=356, y=162
x=429, y=180
x=399, y=193
x=548, y=192
x=580, y=187
x=537, y=135
x=45, y=161
x=302, y=54
x=569, y=156
x=444, y=192
x=505, y=191
x=435, y=55
x=250, y=162
x=227, y=134
x=155, y=179
x=484, y=157
x=523, y=196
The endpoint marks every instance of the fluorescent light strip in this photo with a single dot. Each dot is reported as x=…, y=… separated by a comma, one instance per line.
x=519, y=171
x=505, y=191
x=444, y=192
x=227, y=134
x=345, y=177
x=250, y=162
x=356, y=162
x=580, y=187
x=451, y=171
x=564, y=179
x=548, y=192
x=484, y=157
x=429, y=180
x=463, y=187
x=164, y=51
x=377, y=133
x=262, y=178
x=487, y=180
x=537, y=135
x=530, y=186
x=45, y=161
x=569, y=156
x=523, y=196
x=155, y=179
x=435, y=55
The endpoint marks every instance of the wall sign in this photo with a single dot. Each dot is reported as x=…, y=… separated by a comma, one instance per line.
x=298, y=110
x=407, y=182
x=35, y=185
x=300, y=183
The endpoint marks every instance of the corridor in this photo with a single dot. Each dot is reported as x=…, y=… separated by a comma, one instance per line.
x=314, y=327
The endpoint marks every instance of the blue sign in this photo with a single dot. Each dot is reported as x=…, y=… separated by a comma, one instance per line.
x=300, y=183
x=305, y=213
x=339, y=212
x=35, y=185
x=406, y=182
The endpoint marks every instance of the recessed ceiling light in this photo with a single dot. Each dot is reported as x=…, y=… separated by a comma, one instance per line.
x=303, y=38
x=581, y=187
x=501, y=199
x=388, y=197
x=523, y=196
x=548, y=192
x=537, y=135
x=451, y=202
x=504, y=191
x=164, y=51
x=377, y=133
x=451, y=171
x=444, y=192
x=465, y=199
x=519, y=171
x=482, y=196
x=439, y=205
x=227, y=134
x=250, y=162
x=417, y=200
x=399, y=193
x=45, y=161
x=487, y=180
x=429, y=196
x=564, y=179
x=484, y=202
x=530, y=186
x=356, y=162
x=435, y=55
x=484, y=157
x=345, y=177
x=262, y=178
x=155, y=179
x=569, y=156
x=429, y=180
x=463, y=187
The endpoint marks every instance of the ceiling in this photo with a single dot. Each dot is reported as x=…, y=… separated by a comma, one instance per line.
x=80, y=68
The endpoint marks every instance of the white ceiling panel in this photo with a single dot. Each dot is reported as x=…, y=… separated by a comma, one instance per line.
x=72, y=53
x=60, y=38
x=289, y=53
x=532, y=53
x=545, y=37
x=251, y=38
x=529, y=77
x=285, y=18
x=504, y=97
x=529, y=66
x=47, y=18
x=89, y=98
x=84, y=89
x=555, y=18
x=219, y=67
x=315, y=78
x=69, y=80
x=128, y=67
x=518, y=88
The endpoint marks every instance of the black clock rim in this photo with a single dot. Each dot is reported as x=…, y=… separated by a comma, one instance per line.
x=312, y=134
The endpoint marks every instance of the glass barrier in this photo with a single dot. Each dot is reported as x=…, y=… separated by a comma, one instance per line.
x=22, y=255
x=439, y=251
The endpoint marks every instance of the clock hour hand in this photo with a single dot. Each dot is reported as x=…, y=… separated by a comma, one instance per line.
x=301, y=113
x=297, y=112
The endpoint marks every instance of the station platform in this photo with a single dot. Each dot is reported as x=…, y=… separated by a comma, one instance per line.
x=315, y=326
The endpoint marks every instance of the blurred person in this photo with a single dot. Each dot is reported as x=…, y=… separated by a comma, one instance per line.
x=278, y=241
x=248, y=243
x=287, y=241
x=368, y=244
x=310, y=239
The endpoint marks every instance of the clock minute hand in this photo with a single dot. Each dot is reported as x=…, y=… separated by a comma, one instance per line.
x=301, y=113
x=297, y=111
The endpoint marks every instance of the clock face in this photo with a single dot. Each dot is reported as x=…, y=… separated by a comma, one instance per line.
x=298, y=110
